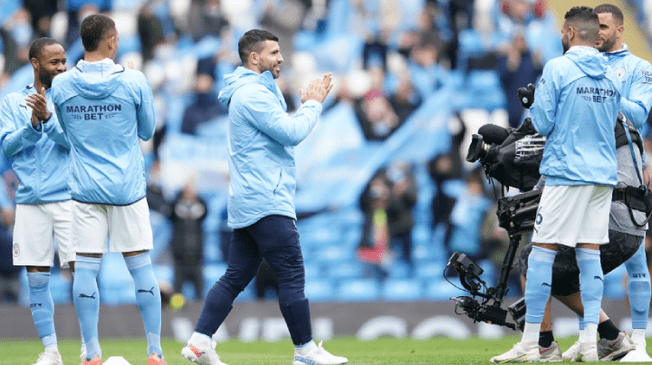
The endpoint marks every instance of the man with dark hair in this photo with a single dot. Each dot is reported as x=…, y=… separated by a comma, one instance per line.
x=261, y=197
x=32, y=137
x=634, y=73
x=104, y=110
x=576, y=107
x=636, y=77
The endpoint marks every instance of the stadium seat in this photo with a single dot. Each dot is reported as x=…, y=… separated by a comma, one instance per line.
x=402, y=289
x=347, y=269
x=429, y=269
x=319, y=289
x=358, y=290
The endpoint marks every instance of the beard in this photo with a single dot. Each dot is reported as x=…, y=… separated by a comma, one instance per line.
x=45, y=78
x=607, y=44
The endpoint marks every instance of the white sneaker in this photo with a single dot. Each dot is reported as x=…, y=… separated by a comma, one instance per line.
x=588, y=352
x=521, y=352
x=550, y=354
x=611, y=350
x=50, y=356
x=317, y=356
x=571, y=353
x=201, y=356
x=639, y=354
x=82, y=354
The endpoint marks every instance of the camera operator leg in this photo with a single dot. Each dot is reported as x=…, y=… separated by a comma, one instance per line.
x=638, y=292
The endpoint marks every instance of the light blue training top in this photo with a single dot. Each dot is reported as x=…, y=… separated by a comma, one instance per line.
x=104, y=109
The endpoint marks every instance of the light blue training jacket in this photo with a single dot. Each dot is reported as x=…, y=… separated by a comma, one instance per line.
x=40, y=158
x=635, y=75
x=576, y=105
x=104, y=109
x=261, y=144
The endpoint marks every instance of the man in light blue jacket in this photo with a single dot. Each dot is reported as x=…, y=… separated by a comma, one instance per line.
x=261, y=210
x=576, y=106
x=33, y=139
x=104, y=110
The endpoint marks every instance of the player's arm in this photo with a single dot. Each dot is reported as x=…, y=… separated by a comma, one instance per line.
x=264, y=112
x=637, y=107
x=145, y=110
x=55, y=131
x=545, y=102
x=16, y=128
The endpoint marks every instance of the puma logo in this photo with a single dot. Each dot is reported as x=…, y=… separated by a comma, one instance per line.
x=546, y=284
x=92, y=296
x=599, y=278
x=151, y=291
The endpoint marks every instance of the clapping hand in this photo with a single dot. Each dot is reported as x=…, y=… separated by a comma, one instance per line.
x=318, y=89
x=38, y=103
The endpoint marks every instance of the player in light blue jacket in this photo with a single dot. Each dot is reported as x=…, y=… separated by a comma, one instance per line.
x=576, y=106
x=34, y=142
x=104, y=110
x=261, y=144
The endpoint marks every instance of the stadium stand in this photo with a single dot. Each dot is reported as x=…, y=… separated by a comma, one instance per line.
x=335, y=163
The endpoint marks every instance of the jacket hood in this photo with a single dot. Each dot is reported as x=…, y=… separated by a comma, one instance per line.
x=95, y=80
x=243, y=76
x=589, y=60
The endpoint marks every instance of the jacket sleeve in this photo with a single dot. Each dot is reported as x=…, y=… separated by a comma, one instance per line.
x=145, y=110
x=266, y=114
x=17, y=133
x=637, y=106
x=546, y=97
x=55, y=131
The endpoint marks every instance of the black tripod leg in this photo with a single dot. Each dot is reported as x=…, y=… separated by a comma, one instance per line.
x=501, y=287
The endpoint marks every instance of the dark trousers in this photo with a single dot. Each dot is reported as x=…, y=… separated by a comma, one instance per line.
x=276, y=239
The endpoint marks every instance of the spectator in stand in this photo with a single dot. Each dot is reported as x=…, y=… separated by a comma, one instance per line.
x=444, y=168
x=518, y=66
x=17, y=35
x=374, y=248
x=402, y=199
x=426, y=73
x=405, y=99
x=187, y=215
x=205, y=17
x=205, y=107
x=467, y=217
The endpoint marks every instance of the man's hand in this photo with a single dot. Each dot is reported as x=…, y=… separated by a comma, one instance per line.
x=318, y=89
x=38, y=103
x=526, y=95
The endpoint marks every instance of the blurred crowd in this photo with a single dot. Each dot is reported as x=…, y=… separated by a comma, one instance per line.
x=388, y=58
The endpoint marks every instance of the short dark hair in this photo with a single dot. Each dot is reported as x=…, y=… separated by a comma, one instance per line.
x=252, y=41
x=585, y=20
x=613, y=9
x=93, y=28
x=37, y=46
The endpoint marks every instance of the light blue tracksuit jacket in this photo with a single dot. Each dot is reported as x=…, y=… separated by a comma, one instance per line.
x=261, y=144
x=635, y=75
x=104, y=109
x=576, y=105
x=40, y=158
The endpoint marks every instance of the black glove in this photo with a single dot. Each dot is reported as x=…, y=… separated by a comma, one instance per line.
x=526, y=95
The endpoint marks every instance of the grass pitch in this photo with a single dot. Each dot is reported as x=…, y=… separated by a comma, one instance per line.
x=381, y=351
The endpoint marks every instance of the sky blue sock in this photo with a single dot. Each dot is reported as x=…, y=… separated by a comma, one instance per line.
x=82, y=337
x=86, y=296
x=591, y=283
x=148, y=297
x=638, y=288
x=581, y=322
x=538, y=284
x=42, y=306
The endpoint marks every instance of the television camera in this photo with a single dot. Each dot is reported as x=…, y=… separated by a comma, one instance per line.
x=512, y=157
